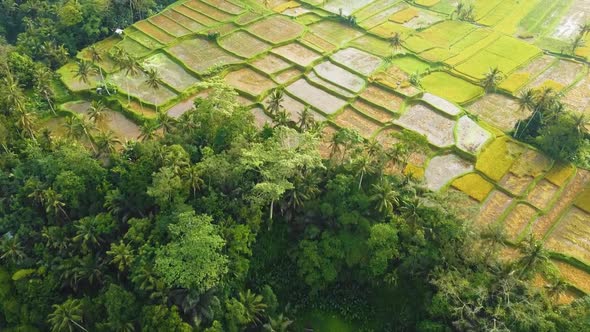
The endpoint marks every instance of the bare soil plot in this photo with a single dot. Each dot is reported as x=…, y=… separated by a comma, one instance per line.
x=578, y=97
x=499, y=110
x=470, y=136
x=441, y=104
x=260, y=118
x=563, y=72
x=135, y=86
x=297, y=53
x=544, y=223
x=249, y=81
x=386, y=138
x=493, y=208
x=516, y=184
x=382, y=97
x=227, y=6
x=288, y=75
x=276, y=29
x=224, y=29
x=154, y=32
x=451, y=87
x=339, y=76
x=318, y=98
x=531, y=162
x=208, y=55
x=208, y=10
x=195, y=15
x=334, y=32
x=171, y=73
x=317, y=42
x=270, y=64
x=437, y=128
x=169, y=25
x=517, y=220
x=542, y=194
x=327, y=85
x=359, y=61
x=183, y=20
x=354, y=120
x=442, y=169
x=243, y=44
x=375, y=112
x=575, y=276
x=474, y=185
x=572, y=235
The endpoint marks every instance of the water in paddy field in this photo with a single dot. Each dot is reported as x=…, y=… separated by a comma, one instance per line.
x=347, y=6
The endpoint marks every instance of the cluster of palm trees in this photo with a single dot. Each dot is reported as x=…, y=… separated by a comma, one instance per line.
x=15, y=100
x=579, y=39
x=491, y=79
x=464, y=12
x=280, y=115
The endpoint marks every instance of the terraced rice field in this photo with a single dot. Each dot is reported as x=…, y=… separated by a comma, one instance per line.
x=351, y=76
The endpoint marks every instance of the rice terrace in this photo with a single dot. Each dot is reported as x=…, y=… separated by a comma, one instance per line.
x=381, y=67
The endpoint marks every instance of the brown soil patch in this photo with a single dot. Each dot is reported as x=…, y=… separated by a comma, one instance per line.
x=270, y=64
x=542, y=194
x=354, y=120
x=183, y=20
x=243, y=44
x=385, y=137
x=316, y=41
x=544, y=223
x=517, y=220
x=154, y=32
x=498, y=110
x=276, y=29
x=382, y=97
x=169, y=25
x=572, y=235
x=208, y=10
x=575, y=276
x=195, y=16
x=375, y=112
x=297, y=53
x=495, y=205
x=516, y=184
x=249, y=81
x=288, y=75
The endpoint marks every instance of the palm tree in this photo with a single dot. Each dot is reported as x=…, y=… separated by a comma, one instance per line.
x=72, y=127
x=26, y=124
x=66, y=316
x=278, y=324
x=106, y=142
x=194, y=179
x=14, y=96
x=165, y=122
x=12, y=249
x=52, y=202
x=148, y=131
x=43, y=86
x=87, y=233
x=96, y=59
x=97, y=112
x=364, y=165
x=396, y=41
x=253, y=305
x=129, y=64
x=121, y=255
x=577, y=42
x=153, y=81
x=306, y=119
x=275, y=101
x=83, y=70
x=585, y=28
x=535, y=256
x=384, y=196
x=491, y=79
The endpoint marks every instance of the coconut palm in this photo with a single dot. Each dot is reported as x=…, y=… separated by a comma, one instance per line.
x=535, y=256
x=83, y=70
x=96, y=58
x=66, y=316
x=165, y=122
x=364, y=164
x=26, y=123
x=52, y=202
x=12, y=250
x=306, y=119
x=275, y=101
x=106, y=142
x=385, y=197
x=13, y=95
x=148, y=131
x=153, y=81
x=278, y=324
x=253, y=304
x=396, y=41
x=97, y=112
x=87, y=233
x=121, y=255
x=491, y=79
x=43, y=86
x=581, y=124
x=577, y=42
x=194, y=178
